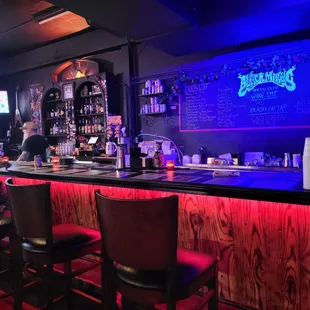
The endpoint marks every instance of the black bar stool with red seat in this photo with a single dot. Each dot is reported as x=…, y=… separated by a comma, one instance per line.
x=43, y=244
x=5, y=231
x=141, y=257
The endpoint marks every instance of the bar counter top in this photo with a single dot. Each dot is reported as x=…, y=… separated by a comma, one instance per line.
x=277, y=186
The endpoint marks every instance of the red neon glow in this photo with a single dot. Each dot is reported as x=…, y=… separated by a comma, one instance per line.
x=170, y=165
x=55, y=160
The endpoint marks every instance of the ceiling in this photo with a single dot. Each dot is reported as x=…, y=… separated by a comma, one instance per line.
x=181, y=27
x=178, y=27
x=19, y=32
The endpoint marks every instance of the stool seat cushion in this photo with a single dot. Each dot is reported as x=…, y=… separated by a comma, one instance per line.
x=193, y=271
x=69, y=241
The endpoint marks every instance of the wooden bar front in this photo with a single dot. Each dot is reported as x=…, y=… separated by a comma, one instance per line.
x=263, y=247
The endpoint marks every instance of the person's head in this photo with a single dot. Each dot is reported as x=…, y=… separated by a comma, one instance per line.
x=29, y=129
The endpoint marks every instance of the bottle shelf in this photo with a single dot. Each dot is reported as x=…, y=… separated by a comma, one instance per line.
x=55, y=118
x=56, y=136
x=93, y=134
x=54, y=101
x=151, y=95
x=93, y=95
x=152, y=113
x=93, y=114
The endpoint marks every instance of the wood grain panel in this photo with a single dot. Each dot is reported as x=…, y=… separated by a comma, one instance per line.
x=263, y=247
x=248, y=252
x=304, y=248
x=282, y=273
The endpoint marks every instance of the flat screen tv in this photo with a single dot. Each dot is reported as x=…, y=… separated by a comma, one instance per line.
x=4, y=102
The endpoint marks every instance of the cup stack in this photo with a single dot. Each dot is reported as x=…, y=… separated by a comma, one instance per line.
x=306, y=164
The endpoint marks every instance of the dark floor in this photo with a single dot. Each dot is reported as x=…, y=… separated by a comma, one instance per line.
x=34, y=295
x=80, y=303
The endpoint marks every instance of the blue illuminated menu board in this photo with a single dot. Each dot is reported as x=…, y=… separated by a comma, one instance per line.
x=263, y=100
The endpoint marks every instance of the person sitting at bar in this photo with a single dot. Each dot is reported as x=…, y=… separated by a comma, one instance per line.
x=33, y=143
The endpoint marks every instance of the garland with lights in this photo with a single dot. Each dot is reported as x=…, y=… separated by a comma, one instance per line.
x=275, y=64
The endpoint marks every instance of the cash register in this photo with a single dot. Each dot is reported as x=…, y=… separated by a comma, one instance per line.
x=89, y=151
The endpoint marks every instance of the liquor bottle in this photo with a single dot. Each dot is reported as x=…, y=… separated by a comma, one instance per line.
x=95, y=124
x=83, y=126
x=101, y=108
x=91, y=107
x=81, y=109
x=96, y=105
x=73, y=126
x=72, y=109
x=86, y=126
x=62, y=112
x=100, y=127
x=85, y=108
x=52, y=114
x=51, y=130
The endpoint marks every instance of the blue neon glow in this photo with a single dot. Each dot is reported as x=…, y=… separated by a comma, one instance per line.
x=284, y=79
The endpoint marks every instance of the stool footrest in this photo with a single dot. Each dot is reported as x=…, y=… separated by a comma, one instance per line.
x=6, y=295
x=85, y=269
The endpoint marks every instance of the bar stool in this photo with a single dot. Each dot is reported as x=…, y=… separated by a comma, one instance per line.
x=5, y=231
x=43, y=244
x=141, y=257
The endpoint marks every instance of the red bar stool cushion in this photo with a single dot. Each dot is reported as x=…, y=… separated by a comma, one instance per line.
x=194, y=269
x=70, y=241
x=5, y=218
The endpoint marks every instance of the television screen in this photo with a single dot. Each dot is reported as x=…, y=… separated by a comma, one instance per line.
x=4, y=102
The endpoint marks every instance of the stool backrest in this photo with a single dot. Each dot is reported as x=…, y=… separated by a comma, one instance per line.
x=139, y=233
x=31, y=209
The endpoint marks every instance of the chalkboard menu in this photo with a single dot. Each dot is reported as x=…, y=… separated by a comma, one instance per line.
x=247, y=101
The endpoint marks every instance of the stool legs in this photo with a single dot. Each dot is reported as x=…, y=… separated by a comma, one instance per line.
x=49, y=286
x=212, y=284
x=67, y=272
x=16, y=262
x=108, y=286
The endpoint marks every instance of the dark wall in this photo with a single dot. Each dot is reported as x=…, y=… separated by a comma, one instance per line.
x=275, y=142
x=152, y=61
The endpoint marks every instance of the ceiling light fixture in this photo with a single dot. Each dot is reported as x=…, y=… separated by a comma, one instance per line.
x=49, y=14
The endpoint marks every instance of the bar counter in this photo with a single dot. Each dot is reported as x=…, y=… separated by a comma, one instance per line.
x=257, y=223
x=277, y=186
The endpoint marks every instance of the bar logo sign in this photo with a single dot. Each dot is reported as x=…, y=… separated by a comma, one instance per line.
x=283, y=78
